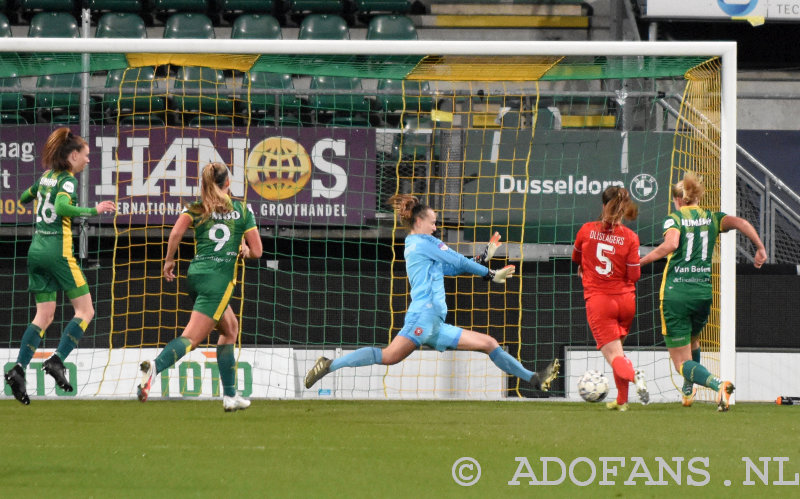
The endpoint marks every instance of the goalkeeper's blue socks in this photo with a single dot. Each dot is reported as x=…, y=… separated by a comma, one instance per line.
x=366, y=356
x=227, y=369
x=509, y=364
x=30, y=342
x=174, y=350
x=694, y=372
x=71, y=336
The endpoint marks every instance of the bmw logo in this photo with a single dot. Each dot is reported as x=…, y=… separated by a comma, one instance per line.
x=644, y=187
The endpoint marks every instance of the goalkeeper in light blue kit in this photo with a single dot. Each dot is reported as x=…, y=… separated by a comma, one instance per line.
x=428, y=260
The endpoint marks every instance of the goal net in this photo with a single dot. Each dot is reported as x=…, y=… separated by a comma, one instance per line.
x=518, y=138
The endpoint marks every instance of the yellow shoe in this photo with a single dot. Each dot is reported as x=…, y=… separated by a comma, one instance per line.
x=724, y=396
x=688, y=400
x=614, y=406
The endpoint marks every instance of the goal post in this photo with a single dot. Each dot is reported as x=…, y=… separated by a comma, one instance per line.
x=518, y=137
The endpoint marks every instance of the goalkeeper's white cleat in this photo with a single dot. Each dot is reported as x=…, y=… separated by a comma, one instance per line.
x=148, y=372
x=235, y=403
x=641, y=387
x=320, y=369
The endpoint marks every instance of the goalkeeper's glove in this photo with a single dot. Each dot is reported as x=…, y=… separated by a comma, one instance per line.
x=500, y=276
x=488, y=251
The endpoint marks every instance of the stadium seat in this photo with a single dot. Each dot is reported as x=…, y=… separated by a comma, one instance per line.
x=5, y=28
x=316, y=7
x=50, y=105
x=231, y=8
x=267, y=105
x=206, y=121
x=141, y=120
x=12, y=101
x=53, y=25
x=48, y=5
x=323, y=27
x=141, y=79
x=337, y=107
x=117, y=6
x=371, y=6
x=12, y=119
x=391, y=28
x=188, y=25
x=164, y=8
x=415, y=141
x=417, y=96
x=256, y=26
x=121, y=25
x=207, y=81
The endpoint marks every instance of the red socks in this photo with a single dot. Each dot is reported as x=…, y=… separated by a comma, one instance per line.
x=623, y=374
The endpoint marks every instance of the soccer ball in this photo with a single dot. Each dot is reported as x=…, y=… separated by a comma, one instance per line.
x=593, y=386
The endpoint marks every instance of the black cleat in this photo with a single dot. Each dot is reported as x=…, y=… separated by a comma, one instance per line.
x=15, y=378
x=55, y=368
x=542, y=379
x=320, y=369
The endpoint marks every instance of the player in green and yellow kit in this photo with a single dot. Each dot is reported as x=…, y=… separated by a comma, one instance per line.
x=224, y=229
x=690, y=234
x=51, y=261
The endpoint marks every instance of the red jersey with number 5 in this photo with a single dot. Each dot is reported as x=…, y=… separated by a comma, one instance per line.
x=609, y=258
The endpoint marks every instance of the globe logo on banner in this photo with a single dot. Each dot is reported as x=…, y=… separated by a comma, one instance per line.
x=278, y=168
x=644, y=187
x=737, y=7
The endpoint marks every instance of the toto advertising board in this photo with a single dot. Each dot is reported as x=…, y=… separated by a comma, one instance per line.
x=306, y=176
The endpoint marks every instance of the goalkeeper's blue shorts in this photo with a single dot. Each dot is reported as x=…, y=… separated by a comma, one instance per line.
x=429, y=329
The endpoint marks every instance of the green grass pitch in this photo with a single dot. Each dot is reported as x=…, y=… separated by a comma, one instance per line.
x=404, y=449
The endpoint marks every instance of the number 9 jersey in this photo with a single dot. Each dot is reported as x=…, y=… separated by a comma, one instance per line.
x=218, y=238
x=609, y=258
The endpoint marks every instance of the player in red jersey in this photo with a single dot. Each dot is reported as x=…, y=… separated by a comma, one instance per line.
x=607, y=253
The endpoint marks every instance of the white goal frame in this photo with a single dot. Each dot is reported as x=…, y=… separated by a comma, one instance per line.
x=726, y=51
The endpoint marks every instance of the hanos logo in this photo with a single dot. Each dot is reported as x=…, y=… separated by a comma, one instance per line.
x=644, y=187
x=278, y=168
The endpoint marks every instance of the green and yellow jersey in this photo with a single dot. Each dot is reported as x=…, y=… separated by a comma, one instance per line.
x=688, y=271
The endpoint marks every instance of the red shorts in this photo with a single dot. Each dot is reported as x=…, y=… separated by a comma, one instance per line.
x=610, y=316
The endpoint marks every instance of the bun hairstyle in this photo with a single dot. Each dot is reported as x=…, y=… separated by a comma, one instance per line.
x=690, y=189
x=617, y=205
x=213, y=198
x=59, y=146
x=409, y=208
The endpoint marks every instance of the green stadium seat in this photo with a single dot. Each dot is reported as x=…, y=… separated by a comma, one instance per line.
x=118, y=6
x=317, y=6
x=281, y=121
x=394, y=6
x=416, y=139
x=50, y=104
x=141, y=120
x=53, y=25
x=205, y=81
x=391, y=28
x=189, y=25
x=323, y=27
x=144, y=104
x=417, y=98
x=12, y=119
x=12, y=101
x=337, y=107
x=265, y=105
x=48, y=5
x=206, y=121
x=5, y=28
x=230, y=8
x=165, y=8
x=121, y=25
x=256, y=26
